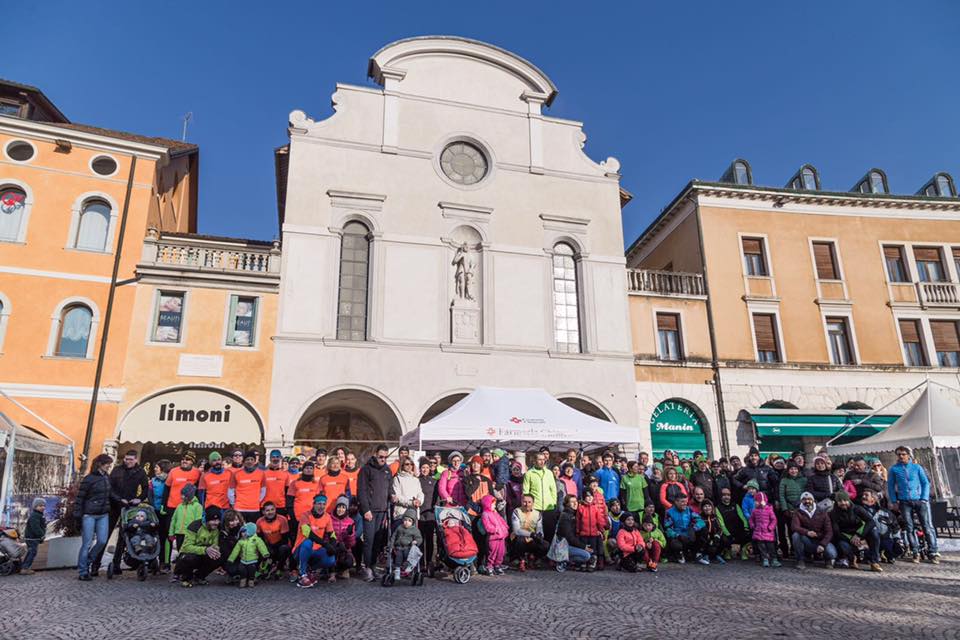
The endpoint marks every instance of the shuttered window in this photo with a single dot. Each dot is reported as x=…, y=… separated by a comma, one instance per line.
x=946, y=342
x=823, y=256
x=956, y=259
x=668, y=337
x=929, y=265
x=896, y=265
x=764, y=328
x=838, y=336
x=754, y=260
x=912, y=343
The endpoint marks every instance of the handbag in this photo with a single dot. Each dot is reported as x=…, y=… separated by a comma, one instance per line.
x=559, y=549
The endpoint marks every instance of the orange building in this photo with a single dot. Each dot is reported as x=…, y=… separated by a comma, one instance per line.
x=75, y=204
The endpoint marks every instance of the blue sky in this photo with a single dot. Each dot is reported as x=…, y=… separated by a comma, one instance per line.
x=674, y=90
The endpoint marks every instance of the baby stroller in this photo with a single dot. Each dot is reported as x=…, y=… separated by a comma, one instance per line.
x=412, y=566
x=139, y=540
x=12, y=552
x=456, y=547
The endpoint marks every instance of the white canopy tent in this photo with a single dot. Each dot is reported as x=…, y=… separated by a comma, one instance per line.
x=518, y=419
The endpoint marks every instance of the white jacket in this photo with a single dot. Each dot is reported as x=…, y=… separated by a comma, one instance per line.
x=406, y=488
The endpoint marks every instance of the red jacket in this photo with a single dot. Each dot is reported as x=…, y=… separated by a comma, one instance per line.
x=591, y=520
x=629, y=541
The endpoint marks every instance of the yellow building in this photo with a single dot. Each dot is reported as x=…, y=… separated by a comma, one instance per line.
x=780, y=316
x=75, y=203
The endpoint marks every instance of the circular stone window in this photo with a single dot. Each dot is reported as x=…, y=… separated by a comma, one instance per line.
x=20, y=151
x=463, y=163
x=104, y=165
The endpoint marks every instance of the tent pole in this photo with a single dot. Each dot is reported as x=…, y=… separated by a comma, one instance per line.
x=847, y=430
x=935, y=463
x=5, y=489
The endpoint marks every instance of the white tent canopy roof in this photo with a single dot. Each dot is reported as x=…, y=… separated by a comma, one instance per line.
x=932, y=422
x=516, y=419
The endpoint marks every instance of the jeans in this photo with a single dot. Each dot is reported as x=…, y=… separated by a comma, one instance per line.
x=31, y=554
x=578, y=555
x=374, y=538
x=847, y=550
x=803, y=545
x=91, y=526
x=309, y=553
x=922, y=508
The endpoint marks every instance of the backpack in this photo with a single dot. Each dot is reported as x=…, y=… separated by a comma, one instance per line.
x=459, y=542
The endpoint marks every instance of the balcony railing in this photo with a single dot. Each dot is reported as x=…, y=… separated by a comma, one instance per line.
x=665, y=283
x=938, y=294
x=217, y=258
x=213, y=257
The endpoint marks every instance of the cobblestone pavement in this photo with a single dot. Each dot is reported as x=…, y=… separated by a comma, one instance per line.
x=740, y=600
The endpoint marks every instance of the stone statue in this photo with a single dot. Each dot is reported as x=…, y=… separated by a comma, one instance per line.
x=465, y=274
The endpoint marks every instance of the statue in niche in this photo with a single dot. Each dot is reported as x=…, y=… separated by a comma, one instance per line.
x=465, y=273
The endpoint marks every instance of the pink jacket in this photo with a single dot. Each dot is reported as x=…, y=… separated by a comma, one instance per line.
x=450, y=486
x=763, y=521
x=493, y=522
x=341, y=526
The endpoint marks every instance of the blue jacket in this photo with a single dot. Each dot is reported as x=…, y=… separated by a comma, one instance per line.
x=748, y=503
x=680, y=523
x=907, y=482
x=609, y=482
x=156, y=493
x=501, y=471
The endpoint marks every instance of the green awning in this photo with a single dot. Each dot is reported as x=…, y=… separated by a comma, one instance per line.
x=819, y=425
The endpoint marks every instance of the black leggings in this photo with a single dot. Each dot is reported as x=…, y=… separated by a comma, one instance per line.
x=248, y=571
x=428, y=530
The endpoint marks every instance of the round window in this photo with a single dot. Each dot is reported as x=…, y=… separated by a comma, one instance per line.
x=104, y=165
x=20, y=151
x=463, y=163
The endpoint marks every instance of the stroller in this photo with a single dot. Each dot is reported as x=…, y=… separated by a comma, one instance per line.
x=415, y=574
x=12, y=552
x=456, y=547
x=140, y=538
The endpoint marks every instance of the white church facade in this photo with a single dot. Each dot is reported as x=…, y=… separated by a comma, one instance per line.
x=441, y=233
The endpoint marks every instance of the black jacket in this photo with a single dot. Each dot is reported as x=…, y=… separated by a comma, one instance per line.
x=373, y=486
x=93, y=497
x=428, y=484
x=127, y=484
x=567, y=529
x=761, y=473
x=847, y=523
x=706, y=481
x=867, y=480
x=36, y=527
x=823, y=485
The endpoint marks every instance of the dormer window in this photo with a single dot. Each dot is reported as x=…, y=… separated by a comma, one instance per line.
x=874, y=182
x=10, y=108
x=940, y=186
x=807, y=179
x=738, y=173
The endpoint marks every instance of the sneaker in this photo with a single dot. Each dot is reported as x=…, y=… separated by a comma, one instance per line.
x=84, y=577
x=935, y=558
x=367, y=575
x=652, y=567
x=331, y=579
x=186, y=584
x=875, y=567
x=801, y=565
x=829, y=564
x=306, y=581
x=843, y=564
x=744, y=553
x=522, y=567
x=766, y=563
x=775, y=563
x=499, y=571
x=916, y=558
x=681, y=560
x=344, y=575
x=719, y=560
x=26, y=572
x=293, y=576
x=243, y=583
x=704, y=560
x=396, y=574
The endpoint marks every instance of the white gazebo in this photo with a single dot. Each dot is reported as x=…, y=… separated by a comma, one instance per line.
x=518, y=419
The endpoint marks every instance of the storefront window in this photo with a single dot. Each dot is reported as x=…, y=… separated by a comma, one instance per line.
x=241, y=331
x=168, y=320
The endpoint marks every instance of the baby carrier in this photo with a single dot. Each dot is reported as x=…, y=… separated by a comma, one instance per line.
x=139, y=540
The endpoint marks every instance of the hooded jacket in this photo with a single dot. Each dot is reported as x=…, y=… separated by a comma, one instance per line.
x=819, y=521
x=493, y=522
x=406, y=489
x=682, y=523
x=790, y=490
x=567, y=525
x=763, y=521
x=907, y=482
x=609, y=481
x=93, y=496
x=759, y=472
x=184, y=515
x=541, y=484
x=450, y=487
x=706, y=481
x=249, y=550
x=344, y=528
x=734, y=519
x=591, y=520
x=850, y=522
x=822, y=484
x=197, y=537
x=405, y=537
x=867, y=480
x=669, y=492
x=629, y=540
x=373, y=487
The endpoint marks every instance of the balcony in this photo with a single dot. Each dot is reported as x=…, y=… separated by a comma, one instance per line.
x=938, y=294
x=666, y=283
x=210, y=258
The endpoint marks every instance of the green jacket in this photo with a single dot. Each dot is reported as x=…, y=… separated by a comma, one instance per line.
x=790, y=490
x=632, y=488
x=404, y=537
x=250, y=550
x=184, y=514
x=198, y=537
x=656, y=534
x=541, y=484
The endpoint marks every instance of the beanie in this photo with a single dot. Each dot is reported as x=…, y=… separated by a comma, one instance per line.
x=754, y=484
x=37, y=502
x=275, y=453
x=188, y=491
x=412, y=515
x=214, y=456
x=249, y=529
x=250, y=454
x=841, y=496
x=476, y=459
x=212, y=513
x=343, y=500
x=454, y=454
x=753, y=450
x=320, y=498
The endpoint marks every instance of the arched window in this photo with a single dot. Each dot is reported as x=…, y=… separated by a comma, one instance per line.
x=741, y=173
x=13, y=205
x=877, y=184
x=74, y=333
x=943, y=186
x=809, y=179
x=566, y=306
x=94, y=226
x=354, y=268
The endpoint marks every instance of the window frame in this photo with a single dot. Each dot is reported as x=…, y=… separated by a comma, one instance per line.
x=921, y=340
x=77, y=211
x=368, y=238
x=97, y=156
x=935, y=351
x=850, y=337
x=575, y=257
x=681, y=338
x=922, y=270
x=765, y=310
x=904, y=263
x=764, y=255
x=834, y=249
x=56, y=319
x=229, y=321
x=10, y=143
x=6, y=308
x=152, y=324
x=27, y=209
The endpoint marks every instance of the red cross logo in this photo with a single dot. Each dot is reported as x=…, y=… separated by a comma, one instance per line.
x=491, y=431
x=515, y=420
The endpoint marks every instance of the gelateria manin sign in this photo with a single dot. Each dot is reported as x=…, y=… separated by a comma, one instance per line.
x=672, y=416
x=190, y=415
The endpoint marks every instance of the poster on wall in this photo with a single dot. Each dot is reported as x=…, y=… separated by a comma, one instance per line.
x=169, y=317
x=243, y=322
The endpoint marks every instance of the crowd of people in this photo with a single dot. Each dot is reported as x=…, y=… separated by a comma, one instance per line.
x=325, y=518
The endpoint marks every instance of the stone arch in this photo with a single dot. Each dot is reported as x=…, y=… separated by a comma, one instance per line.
x=355, y=418
x=586, y=405
x=441, y=403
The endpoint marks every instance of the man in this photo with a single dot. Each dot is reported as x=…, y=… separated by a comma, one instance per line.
x=373, y=495
x=736, y=522
x=176, y=479
x=908, y=491
x=721, y=475
x=129, y=486
x=756, y=470
x=812, y=531
x=214, y=484
x=609, y=478
x=92, y=513
x=526, y=533
x=681, y=525
x=314, y=545
x=335, y=483
x=853, y=531
x=633, y=488
x=863, y=479
x=200, y=554
x=539, y=483
x=321, y=461
x=644, y=460
x=704, y=479
x=275, y=480
x=403, y=453
x=236, y=461
x=301, y=491
x=274, y=530
x=248, y=488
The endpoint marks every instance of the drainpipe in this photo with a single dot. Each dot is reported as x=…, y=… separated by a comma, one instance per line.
x=714, y=360
x=108, y=315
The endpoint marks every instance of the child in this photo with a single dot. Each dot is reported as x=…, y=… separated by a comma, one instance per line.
x=591, y=523
x=345, y=530
x=614, y=516
x=653, y=542
x=188, y=511
x=404, y=538
x=632, y=547
x=250, y=550
x=34, y=534
x=497, y=531
x=749, y=500
x=714, y=537
x=593, y=486
x=763, y=524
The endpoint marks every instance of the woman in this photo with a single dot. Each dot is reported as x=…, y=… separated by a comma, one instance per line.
x=580, y=552
x=230, y=529
x=406, y=492
x=450, y=484
x=822, y=484
x=671, y=489
x=476, y=485
x=567, y=479
x=514, y=488
x=428, y=520
x=91, y=510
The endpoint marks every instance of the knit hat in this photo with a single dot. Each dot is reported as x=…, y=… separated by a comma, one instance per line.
x=320, y=498
x=753, y=450
x=275, y=453
x=212, y=513
x=761, y=499
x=454, y=454
x=37, y=502
x=872, y=461
x=841, y=496
x=214, y=456
x=249, y=529
x=410, y=513
x=475, y=459
x=309, y=463
x=343, y=500
x=498, y=453
x=250, y=454
x=822, y=458
x=753, y=484
x=189, y=455
x=188, y=491
x=805, y=494
x=791, y=464
x=649, y=519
